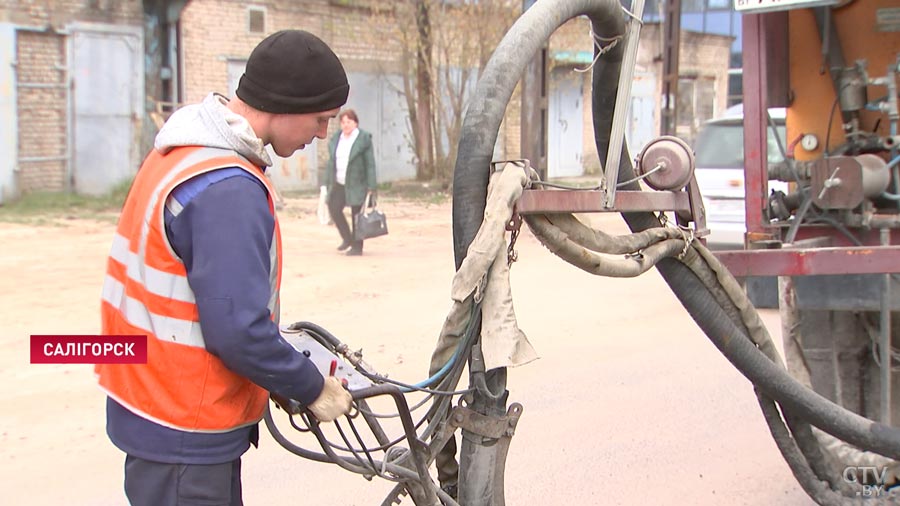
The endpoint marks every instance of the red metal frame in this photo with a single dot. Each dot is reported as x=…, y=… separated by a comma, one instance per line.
x=591, y=201
x=809, y=261
x=818, y=250
x=839, y=256
x=755, y=106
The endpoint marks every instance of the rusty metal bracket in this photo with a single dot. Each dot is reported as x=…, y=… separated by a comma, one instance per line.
x=697, y=211
x=492, y=427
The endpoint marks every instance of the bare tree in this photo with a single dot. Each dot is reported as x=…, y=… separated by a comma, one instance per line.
x=423, y=126
x=443, y=46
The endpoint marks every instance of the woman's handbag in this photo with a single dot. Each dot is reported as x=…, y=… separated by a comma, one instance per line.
x=370, y=222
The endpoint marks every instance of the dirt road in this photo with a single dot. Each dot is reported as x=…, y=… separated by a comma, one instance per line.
x=629, y=403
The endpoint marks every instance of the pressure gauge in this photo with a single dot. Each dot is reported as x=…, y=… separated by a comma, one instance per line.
x=809, y=142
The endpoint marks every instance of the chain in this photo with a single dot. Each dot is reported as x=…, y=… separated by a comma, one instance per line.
x=513, y=225
x=687, y=235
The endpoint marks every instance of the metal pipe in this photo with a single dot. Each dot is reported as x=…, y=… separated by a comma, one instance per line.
x=832, y=50
x=70, y=117
x=33, y=159
x=894, y=117
x=623, y=95
x=884, y=341
x=42, y=85
x=416, y=479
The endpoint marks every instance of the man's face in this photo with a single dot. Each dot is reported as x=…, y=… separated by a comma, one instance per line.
x=293, y=132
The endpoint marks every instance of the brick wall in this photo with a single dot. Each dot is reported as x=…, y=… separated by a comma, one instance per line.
x=216, y=31
x=42, y=110
x=702, y=56
x=56, y=14
x=42, y=78
x=707, y=55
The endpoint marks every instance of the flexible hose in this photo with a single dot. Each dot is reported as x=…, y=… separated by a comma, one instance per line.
x=470, y=181
x=768, y=376
x=470, y=189
x=597, y=240
x=573, y=252
x=488, y=105
x=804, y=403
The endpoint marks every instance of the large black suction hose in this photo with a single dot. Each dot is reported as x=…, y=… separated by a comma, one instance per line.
x=480, y=482
x=731, y=337
x=797, y=444
x=470, y=189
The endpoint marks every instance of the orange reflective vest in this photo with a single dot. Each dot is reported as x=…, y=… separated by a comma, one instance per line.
x=146, y=292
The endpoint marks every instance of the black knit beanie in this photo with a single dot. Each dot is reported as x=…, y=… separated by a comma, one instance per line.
x=293, y=72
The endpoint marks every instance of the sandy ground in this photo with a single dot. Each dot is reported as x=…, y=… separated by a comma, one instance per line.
x=629, y=403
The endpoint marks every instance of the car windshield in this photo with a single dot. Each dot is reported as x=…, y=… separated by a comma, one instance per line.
x=721, y=145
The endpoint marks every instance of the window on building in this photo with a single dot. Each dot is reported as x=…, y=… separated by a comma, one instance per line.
x=719, y=4
x=256, y=19
x=735, y=86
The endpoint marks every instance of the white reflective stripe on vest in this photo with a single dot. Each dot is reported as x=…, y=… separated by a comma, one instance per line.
x=193, y=158
x=157, y=282
x=165, y=328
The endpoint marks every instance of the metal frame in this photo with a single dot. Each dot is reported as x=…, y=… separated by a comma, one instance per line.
x=878, y=255
x=875, y=257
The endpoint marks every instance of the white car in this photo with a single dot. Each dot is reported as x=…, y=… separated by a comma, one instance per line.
x=719, y=151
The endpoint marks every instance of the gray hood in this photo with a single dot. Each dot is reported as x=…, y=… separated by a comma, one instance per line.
x=210, y=123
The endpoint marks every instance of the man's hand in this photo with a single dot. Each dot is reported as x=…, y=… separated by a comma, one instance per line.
x=333, y=402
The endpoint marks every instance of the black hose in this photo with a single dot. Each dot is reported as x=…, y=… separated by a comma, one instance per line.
x=488, y=105
x=319, y=333
x=470, y=181
x=796, y=459
x=707, y=313
x=470, y=190
x=768, y=376
x=731, y=337
x=288, y=444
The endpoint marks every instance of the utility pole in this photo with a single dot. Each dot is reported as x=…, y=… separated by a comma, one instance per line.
x=533, y=116
x=671, y=50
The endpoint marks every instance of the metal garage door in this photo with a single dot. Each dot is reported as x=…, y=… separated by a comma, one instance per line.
x=107, y=67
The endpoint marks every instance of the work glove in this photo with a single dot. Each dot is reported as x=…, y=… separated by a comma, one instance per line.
x=333, y=402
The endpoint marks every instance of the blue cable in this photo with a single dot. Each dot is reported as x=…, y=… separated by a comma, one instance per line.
x=892, y=196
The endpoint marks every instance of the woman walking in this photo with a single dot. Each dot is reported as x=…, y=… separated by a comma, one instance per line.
x=350, y=177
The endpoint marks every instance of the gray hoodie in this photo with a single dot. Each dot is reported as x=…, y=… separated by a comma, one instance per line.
x=210, y=123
